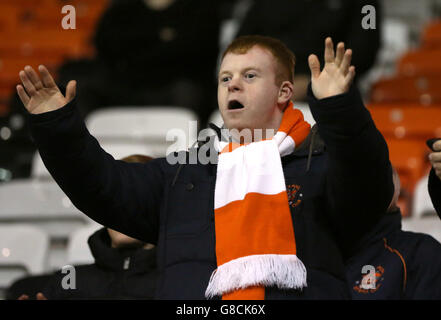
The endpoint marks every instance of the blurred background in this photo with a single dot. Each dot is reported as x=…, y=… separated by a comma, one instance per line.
x=144, y=67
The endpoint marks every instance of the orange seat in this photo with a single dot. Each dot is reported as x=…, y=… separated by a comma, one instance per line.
x=431, y=37
x=4, y=109
x=423, y=89
x=9, y=69
x=51, y=43
x=9, y=17
x=420, y=62
x=409, y=121
x=409, y=157
x=40, y=15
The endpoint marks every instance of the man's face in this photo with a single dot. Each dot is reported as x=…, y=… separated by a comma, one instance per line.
x=247, y=92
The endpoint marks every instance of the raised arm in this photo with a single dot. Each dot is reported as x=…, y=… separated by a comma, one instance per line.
x=123, y=196
x=359, y=177
x=435, y=176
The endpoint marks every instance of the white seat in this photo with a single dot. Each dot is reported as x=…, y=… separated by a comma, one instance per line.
x=23, y=251
x=149, y=125
x=78, y=251
x=428, y=225
x=422, y=204
x=38, y=169
x=41, y=203
x=118, y=149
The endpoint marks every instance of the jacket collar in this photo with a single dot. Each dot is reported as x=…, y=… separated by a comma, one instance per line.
x=130, y=259
x=388, y=224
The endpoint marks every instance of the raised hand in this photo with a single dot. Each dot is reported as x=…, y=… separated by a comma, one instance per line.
x=42, y=95
x=435, y=158
x=337, y=74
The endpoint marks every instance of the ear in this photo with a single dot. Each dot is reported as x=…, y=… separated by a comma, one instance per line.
x=285, y=92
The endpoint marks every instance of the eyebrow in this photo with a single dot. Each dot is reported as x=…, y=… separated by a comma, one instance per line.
x=243, y=70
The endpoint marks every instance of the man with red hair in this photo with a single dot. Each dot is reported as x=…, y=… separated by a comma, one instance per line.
x=274, y=216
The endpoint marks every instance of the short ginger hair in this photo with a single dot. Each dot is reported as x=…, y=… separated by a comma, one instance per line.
x=284, y=57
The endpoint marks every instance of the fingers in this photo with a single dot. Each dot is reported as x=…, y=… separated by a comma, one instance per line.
x=340, y=53
x=27, y=83
x=437, y=145
x=314, y=65
x=48, y=81
x=329, y=50
x=350, y=75
x=71, y=90
x=435, y=157
x=33, y=77
x=346, y=62
x=41, y=296
x=23, y=297
x=23, y=95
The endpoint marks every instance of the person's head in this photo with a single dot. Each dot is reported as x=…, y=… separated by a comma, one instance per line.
x=397, y=187
x=118, y=239
x=255, y=83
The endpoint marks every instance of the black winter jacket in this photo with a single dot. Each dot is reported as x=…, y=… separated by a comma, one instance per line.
x=435, y=191
x=407, y=264
x=336, y=194
x=128, y=273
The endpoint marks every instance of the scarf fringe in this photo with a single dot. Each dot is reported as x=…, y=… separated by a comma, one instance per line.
x=283, y=271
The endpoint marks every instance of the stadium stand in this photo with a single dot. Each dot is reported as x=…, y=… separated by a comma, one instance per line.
x=24, y=250
x=406, y=107
x=150, y=126
x=78, y=251
x=422, y=205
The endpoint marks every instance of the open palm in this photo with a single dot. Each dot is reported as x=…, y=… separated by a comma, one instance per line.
x=42, y=95
x=337, y=74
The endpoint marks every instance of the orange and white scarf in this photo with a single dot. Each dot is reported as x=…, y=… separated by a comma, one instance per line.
x=255, y=242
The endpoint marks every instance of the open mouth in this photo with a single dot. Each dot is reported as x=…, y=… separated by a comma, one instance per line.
x=235, y=105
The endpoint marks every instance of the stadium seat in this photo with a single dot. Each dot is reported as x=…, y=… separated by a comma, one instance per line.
x=425, y=90
x=422, y=204
x=147, y=125
x=78, y=251
x=410, y=121
x=57, y=43
x=409, y=159
x=431, y=37
x=11, y=66
x=24, y=250
x=428, y=225
x=117, y=149
x=42, y=204
x=420, y=62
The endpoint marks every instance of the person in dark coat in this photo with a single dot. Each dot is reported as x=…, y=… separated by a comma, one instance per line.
x=398, y=264
x=435, y=176
x=302, y=24
x=152, y=52
x=124, y=268
x=337, y=187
